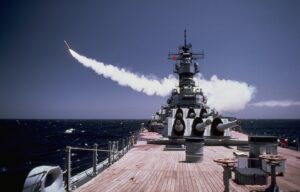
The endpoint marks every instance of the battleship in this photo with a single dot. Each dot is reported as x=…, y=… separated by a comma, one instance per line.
x=187, y=146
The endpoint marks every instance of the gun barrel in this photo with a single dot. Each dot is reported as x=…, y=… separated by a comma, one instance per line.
x=222, y=127
x=205, y=115
x=201, y=126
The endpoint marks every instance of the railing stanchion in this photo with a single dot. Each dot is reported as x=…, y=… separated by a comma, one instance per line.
x=95, y=159
x=109, y=153
x=132, y=140
x=123, y=146
x=68, y=166
x=114, y=150
x=117, y=149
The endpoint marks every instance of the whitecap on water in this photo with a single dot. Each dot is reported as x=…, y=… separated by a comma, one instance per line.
x=68, y=131
x=3, y=169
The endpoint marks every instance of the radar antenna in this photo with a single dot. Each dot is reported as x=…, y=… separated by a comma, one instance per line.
x=185, y=51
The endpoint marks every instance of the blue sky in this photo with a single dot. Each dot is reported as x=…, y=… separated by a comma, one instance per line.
x=257, y=42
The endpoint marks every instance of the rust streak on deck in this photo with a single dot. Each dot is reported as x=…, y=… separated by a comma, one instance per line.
x=148, y=168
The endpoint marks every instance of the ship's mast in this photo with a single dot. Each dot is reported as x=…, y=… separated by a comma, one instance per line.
x=185, y=37
x=186, y=67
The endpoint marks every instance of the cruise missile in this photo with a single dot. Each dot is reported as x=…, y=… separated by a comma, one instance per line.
x=67, y=44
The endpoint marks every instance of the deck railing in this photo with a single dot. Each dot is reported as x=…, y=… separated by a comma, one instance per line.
x=116, y=149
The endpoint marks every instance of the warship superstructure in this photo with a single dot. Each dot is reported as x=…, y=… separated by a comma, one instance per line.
x=186, y=112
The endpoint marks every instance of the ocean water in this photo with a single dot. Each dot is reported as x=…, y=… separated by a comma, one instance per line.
x=282, y=128
x=26, y=144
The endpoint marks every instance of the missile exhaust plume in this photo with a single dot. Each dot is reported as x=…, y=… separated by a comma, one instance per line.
x=223, y=95
x=276, y=103
x=123, y=77
x=226, y=95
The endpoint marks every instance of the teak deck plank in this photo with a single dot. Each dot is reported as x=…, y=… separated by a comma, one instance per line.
x=149, y=168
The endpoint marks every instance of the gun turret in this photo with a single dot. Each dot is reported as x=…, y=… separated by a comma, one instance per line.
x=179, y=113
x=205, y=114
x=178, y=127
x=191, y=113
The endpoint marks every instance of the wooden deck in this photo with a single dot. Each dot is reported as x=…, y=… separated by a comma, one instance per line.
x=148, y=168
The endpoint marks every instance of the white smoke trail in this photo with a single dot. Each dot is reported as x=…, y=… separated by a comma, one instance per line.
x=226, y=95
x=223, y=95
x=140, y=83
x=276, y=103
